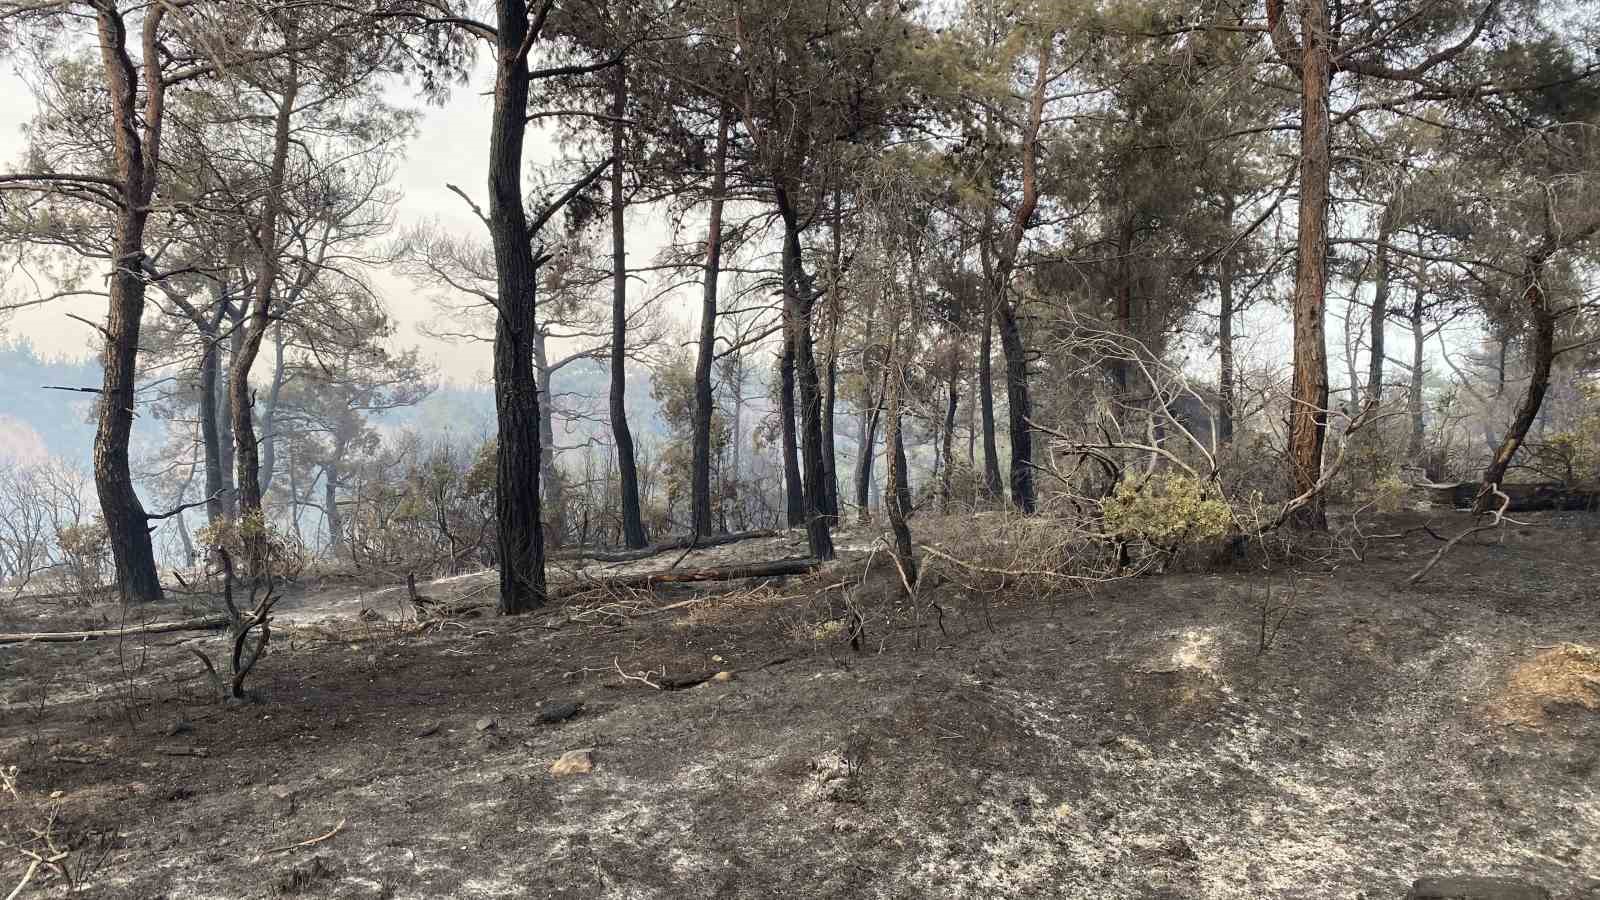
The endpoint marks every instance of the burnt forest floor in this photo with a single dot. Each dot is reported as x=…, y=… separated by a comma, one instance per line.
x=1130, y=741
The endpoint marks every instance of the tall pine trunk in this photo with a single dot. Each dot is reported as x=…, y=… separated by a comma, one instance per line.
x=992, y=484
x=136, y=137
x=1308, y=414
x=520, y=534
x=793, y=491
x=627, y=470
x=247, y=451
x=700, y=478
x=1225, y=363
x=801, y=298
x=1419, y=338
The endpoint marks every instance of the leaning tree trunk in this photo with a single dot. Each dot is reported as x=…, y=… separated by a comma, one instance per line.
x=520, y=534
x=700, y=478
x=1308, y=415
x=627, y=470
x=136, y=140
x=1541, y=356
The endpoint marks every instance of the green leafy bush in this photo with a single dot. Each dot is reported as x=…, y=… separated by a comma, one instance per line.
x=1168, y=509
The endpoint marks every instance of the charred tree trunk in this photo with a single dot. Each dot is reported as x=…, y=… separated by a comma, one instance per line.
x=627, y=470
x=700, y=479
x=992, y=485
x=269, y=419
x=951, y=398
x=1541, y=357
x=330, y=509
x=1017, y=392
x=1308, y=415
x=1380, y=301
x=230, y=491
x=1021, y=409
x=802, y=300
x=793, y=492
x=1225, y=363
x=897, y=504
x=210, y=435
x=1419, y=339
x=136, y=136
x=552, y=485
x=247, y=458
x=520, y=532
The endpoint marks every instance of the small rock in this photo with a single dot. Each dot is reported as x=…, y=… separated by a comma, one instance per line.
x=428, y=730
x=574, y=762
x=179, y=726
x=1469, y=887
x=280, y=791
x=486, y=723
x=722, y=676
x=559, y=712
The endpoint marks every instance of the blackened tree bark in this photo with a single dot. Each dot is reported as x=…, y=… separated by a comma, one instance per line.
x=269, y=418
x=622, y=437
x=136, y=137
x=1380, y=299
x=897, y=504
x=520, y=532
x=552, y=488
x=1419, y=339
x=1225, y=376
x=951, y=398
x=1006, y=307
x=700, y=479
x=992, y=484
x=793, y=491
x=800, y=302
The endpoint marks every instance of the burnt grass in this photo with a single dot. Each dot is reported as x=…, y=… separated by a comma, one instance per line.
x=1133, y=741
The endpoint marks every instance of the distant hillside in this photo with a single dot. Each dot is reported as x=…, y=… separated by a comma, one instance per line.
x=31, y=418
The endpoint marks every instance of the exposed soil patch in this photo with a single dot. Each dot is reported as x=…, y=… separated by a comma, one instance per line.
x=1135, y=742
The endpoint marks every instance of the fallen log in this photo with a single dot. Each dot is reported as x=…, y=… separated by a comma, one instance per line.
x=1550, y=495
x=205, y=623
x=655, y=549
x=645, y=581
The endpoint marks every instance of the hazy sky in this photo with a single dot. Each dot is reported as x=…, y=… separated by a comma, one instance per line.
x=450, y=147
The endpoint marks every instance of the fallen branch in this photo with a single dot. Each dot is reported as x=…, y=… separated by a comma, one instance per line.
x=26, y=877
x=205, y=623
x=798, y=566
x=1496, y=517
x=626, y=677
x=654, y=549
x=309, y=841
x=1022, y=573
